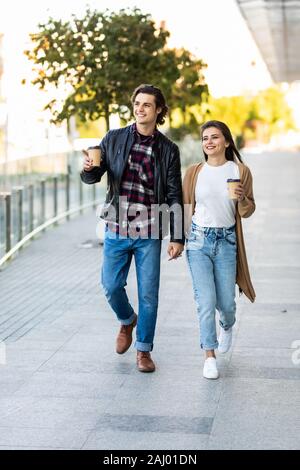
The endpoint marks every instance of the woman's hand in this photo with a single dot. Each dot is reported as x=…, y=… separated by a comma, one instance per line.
x=240, y=192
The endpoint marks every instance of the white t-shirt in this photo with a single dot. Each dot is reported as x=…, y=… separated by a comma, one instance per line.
x=213, y=206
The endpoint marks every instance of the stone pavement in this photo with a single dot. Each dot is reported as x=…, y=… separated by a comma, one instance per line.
x=64, y=387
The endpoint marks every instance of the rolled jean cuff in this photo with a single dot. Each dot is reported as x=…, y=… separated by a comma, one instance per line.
x=145, y=347
x=228, y=326
x=129, y=320
x=209, y=348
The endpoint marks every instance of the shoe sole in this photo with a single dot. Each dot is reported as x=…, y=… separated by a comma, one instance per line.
x=146, y=371
x=211, y=378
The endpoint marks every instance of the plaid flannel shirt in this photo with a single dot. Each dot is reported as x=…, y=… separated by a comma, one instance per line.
x=137, y=189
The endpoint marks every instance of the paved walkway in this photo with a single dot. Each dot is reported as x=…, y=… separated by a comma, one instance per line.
x=64, y=387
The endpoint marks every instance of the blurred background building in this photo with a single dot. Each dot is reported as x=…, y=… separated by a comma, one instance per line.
x=274, y=25
x=3, y=110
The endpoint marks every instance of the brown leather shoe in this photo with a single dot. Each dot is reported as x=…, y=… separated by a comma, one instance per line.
x=124, y=338
x=144, y=362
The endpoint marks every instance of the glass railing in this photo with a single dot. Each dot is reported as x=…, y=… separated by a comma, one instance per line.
x=37, y=190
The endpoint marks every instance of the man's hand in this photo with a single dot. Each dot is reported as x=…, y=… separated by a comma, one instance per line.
x=87, y=162
x=175, y=250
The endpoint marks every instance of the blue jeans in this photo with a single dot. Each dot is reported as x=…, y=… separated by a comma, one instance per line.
x=211, y=255
x=117, y=256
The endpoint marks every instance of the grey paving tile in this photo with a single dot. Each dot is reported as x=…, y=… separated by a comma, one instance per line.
x=278, y=272
x=63, y=363
x=99, y=344
x=73, y=385
x=24, y=359
x=273, y=290
x=265, y=360
x=129, y=440
x=42, y=437
x=255, y=426
x=10, y=406
x=25, y=344
x=180, y=396
x=258, y=372
x=11, y=379
x=261, y=392
x=157, y=424
x=281, y=353
x=279, y=334
x=14, y=447
x=56, y=413
x=47, y=335
x=275, y=310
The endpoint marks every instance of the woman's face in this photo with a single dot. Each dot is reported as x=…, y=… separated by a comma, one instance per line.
x=213, y=142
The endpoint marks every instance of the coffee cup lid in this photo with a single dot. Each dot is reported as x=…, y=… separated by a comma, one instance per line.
x=94, y=147
x=232, y=180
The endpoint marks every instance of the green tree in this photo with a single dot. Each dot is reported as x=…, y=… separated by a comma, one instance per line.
x=270, y=107
x=233, y=110
x=190, y=88
x=98, y=61
x=256, y=117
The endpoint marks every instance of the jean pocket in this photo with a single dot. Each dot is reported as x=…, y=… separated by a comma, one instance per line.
x=195, y=241
x=192, y=237
x=231, y=238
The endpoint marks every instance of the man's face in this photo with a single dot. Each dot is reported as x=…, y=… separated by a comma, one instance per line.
x=144, y=109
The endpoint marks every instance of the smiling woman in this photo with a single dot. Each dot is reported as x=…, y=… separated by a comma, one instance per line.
x=217, y=142
x=215, y=245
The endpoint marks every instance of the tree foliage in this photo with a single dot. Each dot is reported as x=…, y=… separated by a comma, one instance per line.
x=98, y=60
x=190, y=88
x=260, y=116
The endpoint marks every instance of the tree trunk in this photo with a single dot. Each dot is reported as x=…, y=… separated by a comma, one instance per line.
x=170, y=120
x=184, y=115
x=106, y=116
x=71, y=130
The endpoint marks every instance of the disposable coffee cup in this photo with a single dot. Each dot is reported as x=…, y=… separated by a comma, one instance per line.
x=95, y=155
x=232, y=185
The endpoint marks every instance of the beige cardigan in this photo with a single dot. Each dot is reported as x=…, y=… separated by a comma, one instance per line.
x=244, y=209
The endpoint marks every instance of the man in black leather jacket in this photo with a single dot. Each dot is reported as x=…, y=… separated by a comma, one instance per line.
x=143, y=186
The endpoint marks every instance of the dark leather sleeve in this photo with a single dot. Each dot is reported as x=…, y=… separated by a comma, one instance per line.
x=174, y=197
x=95, y=175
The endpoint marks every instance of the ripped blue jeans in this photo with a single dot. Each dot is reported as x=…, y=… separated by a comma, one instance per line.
x=212, y=256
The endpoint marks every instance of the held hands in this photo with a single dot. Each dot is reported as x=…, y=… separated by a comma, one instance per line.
x=175, y=250
x=240, y=192
x=87, y=162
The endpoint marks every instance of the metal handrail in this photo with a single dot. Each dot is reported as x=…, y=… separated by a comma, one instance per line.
x=42, y=227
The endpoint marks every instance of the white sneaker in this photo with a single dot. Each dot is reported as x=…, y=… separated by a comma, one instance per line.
x=225, y=340
x=210, y=370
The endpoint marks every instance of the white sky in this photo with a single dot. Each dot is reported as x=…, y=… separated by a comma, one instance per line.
x=213, y=29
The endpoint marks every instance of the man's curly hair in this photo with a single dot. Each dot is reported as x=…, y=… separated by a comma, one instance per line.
x=159, y=100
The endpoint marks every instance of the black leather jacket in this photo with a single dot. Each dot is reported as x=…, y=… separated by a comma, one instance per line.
x=115, y=149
